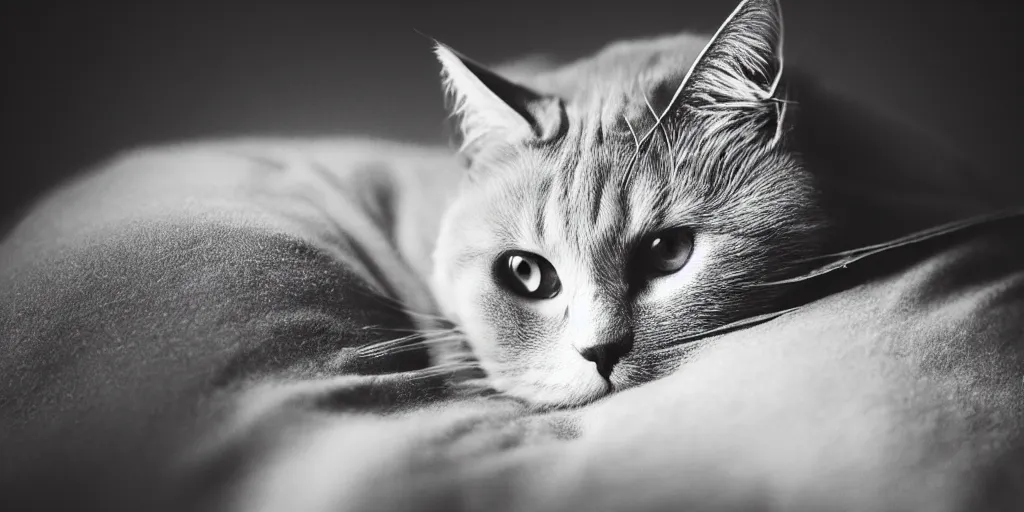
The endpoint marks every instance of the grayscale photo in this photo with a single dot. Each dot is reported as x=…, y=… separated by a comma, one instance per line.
x=668, y=255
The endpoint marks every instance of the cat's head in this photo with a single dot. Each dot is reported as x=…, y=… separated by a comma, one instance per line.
x=619, y=203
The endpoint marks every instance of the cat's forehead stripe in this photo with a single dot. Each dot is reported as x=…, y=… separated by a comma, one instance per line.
x=543, y=199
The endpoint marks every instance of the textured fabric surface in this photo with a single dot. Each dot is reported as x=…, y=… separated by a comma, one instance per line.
x=180, y=330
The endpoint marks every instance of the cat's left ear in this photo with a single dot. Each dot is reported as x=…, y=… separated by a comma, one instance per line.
x=493, y=110
x=740, y=68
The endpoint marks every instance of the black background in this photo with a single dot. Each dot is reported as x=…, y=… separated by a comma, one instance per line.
x=83, y=80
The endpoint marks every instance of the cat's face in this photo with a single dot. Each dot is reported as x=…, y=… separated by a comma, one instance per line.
x=580, y=250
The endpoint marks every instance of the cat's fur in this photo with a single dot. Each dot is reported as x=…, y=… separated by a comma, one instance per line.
x=579, y=162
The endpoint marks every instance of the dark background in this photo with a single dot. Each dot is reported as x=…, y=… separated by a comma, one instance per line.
x=83, y=80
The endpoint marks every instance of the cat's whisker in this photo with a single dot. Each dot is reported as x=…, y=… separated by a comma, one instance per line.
x=446, y=369
x=785, y=101
x=705, y=336
x=407, y=346
x=918, y=235
x=409, y=330
x=664, y=131
x=411, y=347
x=851, y=256
x=632, y=132
x=427, y=316
x=734, y=105
x=391, y=341
x=412, y=339
x=420, y=335
x=686, y=345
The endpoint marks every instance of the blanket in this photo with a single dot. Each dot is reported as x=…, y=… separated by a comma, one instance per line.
x=903, y=393
x=184, y=328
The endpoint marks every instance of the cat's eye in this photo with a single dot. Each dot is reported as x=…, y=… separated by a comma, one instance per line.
x=667, y=251
x=527, y=274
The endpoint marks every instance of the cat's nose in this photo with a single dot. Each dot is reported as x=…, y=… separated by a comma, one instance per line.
x=608, y=353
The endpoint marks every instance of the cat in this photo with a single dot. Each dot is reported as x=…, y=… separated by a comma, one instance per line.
x=615, y=205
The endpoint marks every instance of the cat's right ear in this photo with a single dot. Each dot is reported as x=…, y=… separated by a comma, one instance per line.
x=739, y=70
x=492, y=110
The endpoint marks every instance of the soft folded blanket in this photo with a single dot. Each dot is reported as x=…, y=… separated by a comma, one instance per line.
x=180, y=329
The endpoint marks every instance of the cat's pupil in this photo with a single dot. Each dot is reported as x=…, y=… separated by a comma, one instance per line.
x=659, y=247
x=521, y=266
x=666, y=247
x=527, y=270
x=668, y=251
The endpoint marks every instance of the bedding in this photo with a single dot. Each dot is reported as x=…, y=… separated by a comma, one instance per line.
x=181, y=330
x=903, y=393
